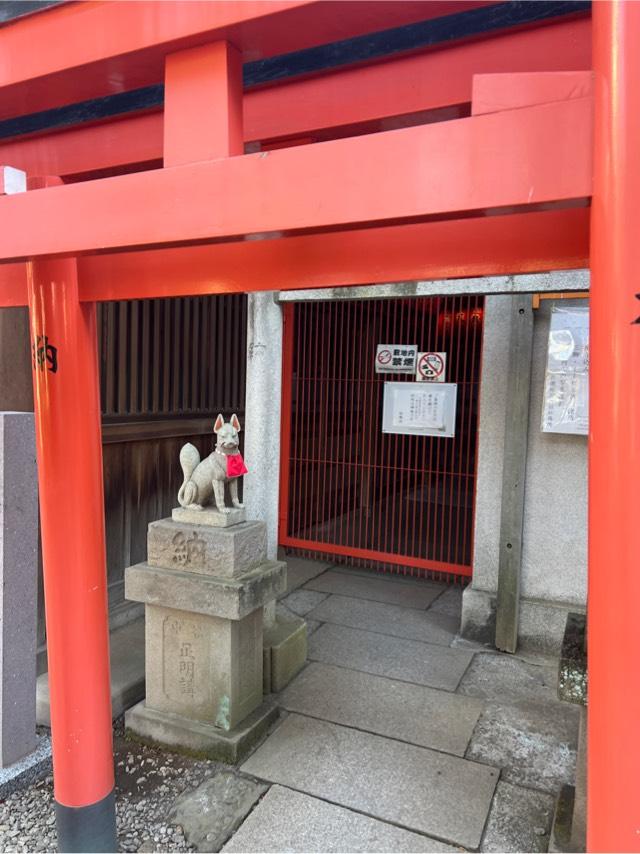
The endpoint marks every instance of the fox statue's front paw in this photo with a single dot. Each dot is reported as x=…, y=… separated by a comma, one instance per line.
x=238, y=504
x=225, y=510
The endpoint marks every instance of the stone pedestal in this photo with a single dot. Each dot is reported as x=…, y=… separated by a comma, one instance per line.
x=204, y=587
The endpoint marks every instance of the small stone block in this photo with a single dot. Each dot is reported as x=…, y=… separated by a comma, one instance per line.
x=285, y=647
x=209, y=814
x=231, y=598
x=196, y=738
x=209, y=516
x=225, y=552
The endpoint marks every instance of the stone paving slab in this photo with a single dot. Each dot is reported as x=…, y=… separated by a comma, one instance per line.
x=376, y=589
x=289, y=821
x=416, y=788
x=520, y=820
x=449, y=602
x=300, y=570
x=413, y=713
x=507, y=679
x=387, y=619
x=396, y=658
x=534, y=743
x=303, y=601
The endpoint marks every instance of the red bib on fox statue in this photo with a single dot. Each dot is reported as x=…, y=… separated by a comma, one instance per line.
x=235, y=465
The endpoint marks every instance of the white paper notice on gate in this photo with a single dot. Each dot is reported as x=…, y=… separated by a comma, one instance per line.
x=565, y=407
x=426, y=410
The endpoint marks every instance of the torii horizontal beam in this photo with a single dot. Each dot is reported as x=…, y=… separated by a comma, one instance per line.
x=515, y=243
x=530, y=156
x=323, y=106
x=91, y=49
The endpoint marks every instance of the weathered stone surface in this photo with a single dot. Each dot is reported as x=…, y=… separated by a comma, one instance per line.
x=209, y=516
x=126, y=658
x=210, y=813
x=385, y=706
x=301, y=570
x=508, y=679
x=572, y=676
x=197, y=738
x=224, y=552
x=534, y=743
x=520, y=820
x=290, y=821
x=396, y=658
x=285, y=651
x=415, y=595
x=31, y=767
x=300, y=602
x=387, y=619
x=410, y=786
x=231, y=598
x=262, y=411
x=449, y=602
x=18, y=585
x=204, y=668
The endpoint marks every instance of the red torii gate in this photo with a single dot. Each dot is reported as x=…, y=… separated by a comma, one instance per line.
x=503, y=190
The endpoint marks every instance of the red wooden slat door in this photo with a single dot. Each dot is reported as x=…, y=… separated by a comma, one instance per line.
x=401, y=503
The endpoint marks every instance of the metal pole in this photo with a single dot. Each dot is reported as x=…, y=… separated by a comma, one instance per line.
x=69, y=450
x=613, y=815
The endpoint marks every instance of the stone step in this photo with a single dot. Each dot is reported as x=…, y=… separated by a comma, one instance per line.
x=377, y=589
x=285, y=820
x=387, y=619
x=413, y=713
x=127, y=673
x=395, y=658
x=416, y=788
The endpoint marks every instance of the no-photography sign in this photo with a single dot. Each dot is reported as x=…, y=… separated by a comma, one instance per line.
x=431, y=367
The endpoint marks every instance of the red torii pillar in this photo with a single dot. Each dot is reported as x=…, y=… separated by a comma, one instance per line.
x=613, y=817
x=203, y=92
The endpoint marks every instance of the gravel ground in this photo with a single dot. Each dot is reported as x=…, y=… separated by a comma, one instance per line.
x=147, y=784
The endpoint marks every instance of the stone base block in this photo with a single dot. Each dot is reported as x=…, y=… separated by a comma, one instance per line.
x=229, y=598
x=541, y=624
x=560, y=838
x=209, y=516
x=224, y=552
x=284, y=651
x=203, y=668
x=196, y=738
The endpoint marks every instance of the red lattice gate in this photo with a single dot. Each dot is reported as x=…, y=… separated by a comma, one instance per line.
x=400, y=503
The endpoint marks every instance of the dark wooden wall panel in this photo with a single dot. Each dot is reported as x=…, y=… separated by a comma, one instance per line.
x=168, y=366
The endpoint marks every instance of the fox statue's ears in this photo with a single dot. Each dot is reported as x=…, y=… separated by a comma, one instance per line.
x=217, y=427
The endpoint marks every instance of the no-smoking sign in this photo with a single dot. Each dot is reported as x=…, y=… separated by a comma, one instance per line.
x=431, y=367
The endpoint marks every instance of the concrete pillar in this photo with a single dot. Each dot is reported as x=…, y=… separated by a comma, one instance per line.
x=18, y=585
x=16, y=387
x=262, y=415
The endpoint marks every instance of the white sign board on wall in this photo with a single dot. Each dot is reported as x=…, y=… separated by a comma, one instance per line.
x=565, y=405
x=420, y=410
x=396, y=358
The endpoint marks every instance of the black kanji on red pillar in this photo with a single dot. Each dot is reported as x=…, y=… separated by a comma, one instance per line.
x=637, y=320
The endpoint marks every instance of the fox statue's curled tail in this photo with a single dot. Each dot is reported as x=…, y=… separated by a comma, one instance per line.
x=189, y=460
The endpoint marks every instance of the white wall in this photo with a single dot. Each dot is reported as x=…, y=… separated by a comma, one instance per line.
x=554, y=561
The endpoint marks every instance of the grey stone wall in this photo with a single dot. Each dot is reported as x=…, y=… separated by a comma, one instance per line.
x=554, y=563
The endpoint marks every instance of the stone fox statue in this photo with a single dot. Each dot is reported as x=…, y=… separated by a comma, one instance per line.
x=205, y=478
